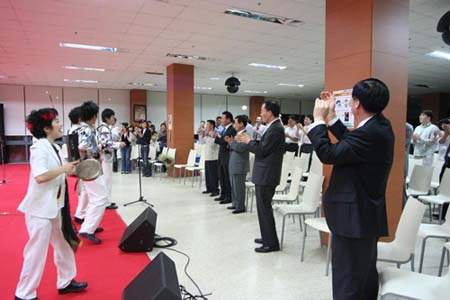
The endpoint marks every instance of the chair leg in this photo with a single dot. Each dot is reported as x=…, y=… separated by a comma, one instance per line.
x=328, y=255
x=304, y=241
x=441, y=265
x=398, y=265
x=422, y=255
x=441, y=207
x=300, y=221
x=413, y=257
x=184, y=177
x=251, y=202
x=282, y=232
x=431, y=217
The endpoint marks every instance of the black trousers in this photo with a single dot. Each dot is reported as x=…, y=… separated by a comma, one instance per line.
x=264, y=195
x=444, y=167
x=291, y=147
x=115, y=162
x=212, y=176
x=354, y=267
x=224, y=177
x=146, y=167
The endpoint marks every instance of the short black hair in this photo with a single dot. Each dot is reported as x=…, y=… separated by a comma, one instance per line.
x=88, y=110
x=212, y=122
x=428, y=113
x=273, y=107
x=310, y=117
x=107, y=113
x=39, y=119
x=228, y=115
x=74, y=115
x=292, y=117
x=218, y=117
x=372, y=93
x=242, y=119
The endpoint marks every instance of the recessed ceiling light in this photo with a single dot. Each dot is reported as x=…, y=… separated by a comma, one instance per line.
x=84, y=68
x=185, y=56
x=142, y=84
x=80, y=81
x=267, y=66
x=88, y=47
x=256, y=92
x=202, y=88
x=291, y=84
x=258, y=16
x=214, y=78
x=440, y=54
x=244, y=107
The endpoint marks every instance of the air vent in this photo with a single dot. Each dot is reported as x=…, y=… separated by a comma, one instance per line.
x=154, y=73
x=258, y=16
x=185, y=56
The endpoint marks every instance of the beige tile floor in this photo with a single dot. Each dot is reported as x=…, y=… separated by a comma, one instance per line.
x=221, y=245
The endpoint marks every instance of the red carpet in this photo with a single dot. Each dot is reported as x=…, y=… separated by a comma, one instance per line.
x=106, y=269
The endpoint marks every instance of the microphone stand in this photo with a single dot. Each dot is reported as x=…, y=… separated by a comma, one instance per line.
x=141, y=198
x=3, y=181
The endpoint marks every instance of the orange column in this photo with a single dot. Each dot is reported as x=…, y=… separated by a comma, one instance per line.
x=180, y=110
x=369, y=38
x=137, y=97
x=255, y=107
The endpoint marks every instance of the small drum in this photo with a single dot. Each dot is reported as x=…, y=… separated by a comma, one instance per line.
x=88, y=169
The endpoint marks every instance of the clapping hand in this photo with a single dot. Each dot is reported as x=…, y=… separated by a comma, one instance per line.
x=243, y=138
x=228, y=138
x=446, y=128
x=321, y=110
x=329, y=98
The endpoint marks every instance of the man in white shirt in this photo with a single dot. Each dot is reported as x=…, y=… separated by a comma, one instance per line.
x=211, y=152
x=292, y=137
x=258, y=129
x=305, y=143
x=424, y=138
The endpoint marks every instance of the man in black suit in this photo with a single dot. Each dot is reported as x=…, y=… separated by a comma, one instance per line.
x=267, y=172
x=355, y=204
x=224, y=157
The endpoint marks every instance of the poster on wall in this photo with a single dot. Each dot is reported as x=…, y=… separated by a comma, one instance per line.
x=169, y=122
x=343, y=106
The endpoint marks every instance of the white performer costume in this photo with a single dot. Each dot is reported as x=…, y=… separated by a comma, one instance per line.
x=42, y=208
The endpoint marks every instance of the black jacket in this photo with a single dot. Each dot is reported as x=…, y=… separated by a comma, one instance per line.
x=355, y=202
x=268, y=155
x=224, y=149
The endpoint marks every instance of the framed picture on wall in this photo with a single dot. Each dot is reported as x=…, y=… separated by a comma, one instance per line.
x=140, y=112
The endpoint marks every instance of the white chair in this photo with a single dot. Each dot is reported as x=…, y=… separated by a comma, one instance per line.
x=285, y=168
x=316, y=165
x=199, y=168
x=445, y=251
x=292, y=195
x=401, y=249
x=410, y=285
x=189, y=163
x=427, y=231
x=288, y=158
x=441, y=198
x=420, y=181
x=437, y=166
x=319, y=224
x=166, y=151
x=309, y=205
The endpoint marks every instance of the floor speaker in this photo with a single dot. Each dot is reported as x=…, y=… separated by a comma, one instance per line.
x=2, y=120
x=158, y=281
x=140, y=234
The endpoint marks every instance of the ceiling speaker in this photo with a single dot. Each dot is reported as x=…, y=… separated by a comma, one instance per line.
x=444, y=27
x=232, y=85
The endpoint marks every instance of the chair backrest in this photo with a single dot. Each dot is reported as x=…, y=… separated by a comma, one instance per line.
x=152, y=152
x=201, y=164
x=164, y=151
x=444, y=188
x=284, y=177
x=312, y=192
x=191, y=158
x=301, y=162
x=316, y=165
x=295, y=183
x=437, y=167
x=251, y=163
x=288, y=157
x=408, y=226
x=421, y=178
x=171, y=152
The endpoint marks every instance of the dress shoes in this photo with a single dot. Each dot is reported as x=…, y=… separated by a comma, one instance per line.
x=219, y=198
x=238, y=211
x=99, y=229
x=225, y=201
x=267, y=249
x=73, y=287
x=214, y=194
x=90, y=237
x=206, y=192
x=231, y=207
x=17, y=298
x=78, y=220
x=259, y=241
x=112, y=206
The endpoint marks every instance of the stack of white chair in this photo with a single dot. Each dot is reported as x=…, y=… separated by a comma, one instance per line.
x=293, y=194
x=441, y=198
x=401, y=249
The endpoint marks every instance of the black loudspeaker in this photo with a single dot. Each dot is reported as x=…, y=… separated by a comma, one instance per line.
x=140, y=234
x=158, y=281
x=2, y=120
x=444, y=27
x=232, y=84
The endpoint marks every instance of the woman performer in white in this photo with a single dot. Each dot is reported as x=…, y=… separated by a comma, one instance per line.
x=47, y=213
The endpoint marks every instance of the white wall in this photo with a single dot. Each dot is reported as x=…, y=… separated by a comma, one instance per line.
x=156, y=108
x=14, y=108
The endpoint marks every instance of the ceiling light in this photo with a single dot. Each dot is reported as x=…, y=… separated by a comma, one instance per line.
x=256, y=92
x=84, y=68
x=244, y=107
x=440, y=54
x=267, y=66
x=291, y=84
x=80, y=81
x=186, y=56
x=154, y=73
x=262, y=17
x=88, y=47
x=141, y=84
x=202, y=88
x=214, y=78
